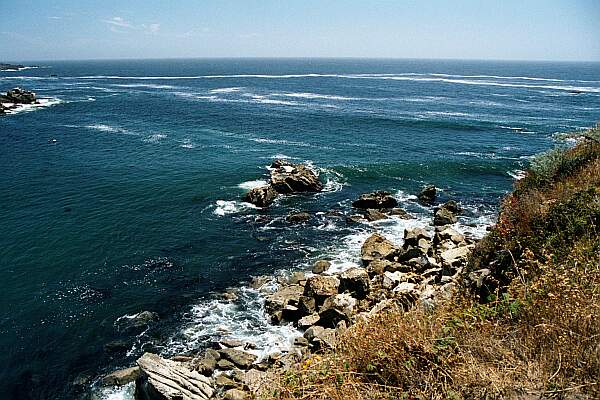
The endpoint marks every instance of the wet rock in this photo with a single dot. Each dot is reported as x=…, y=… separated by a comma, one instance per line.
x=428, y=194
x=320, y=266
x=169, y=380
x=321, y=286
x=136, y=321
x=354, y=219
x=374, y=215
x=20, y=96
x=377, y=247
x=452, y=206
x=116, y=346
x=121, y=377
x=262, y=196
x=259, y=281
x=400, y=213
x=375, y=200
x=240, y=358
x=296, y=218
x=443, y=216
x=289, y=178
x=228, y=342
x=356, y=281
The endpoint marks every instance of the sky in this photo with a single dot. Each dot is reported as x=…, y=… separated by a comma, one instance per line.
x=566, y=30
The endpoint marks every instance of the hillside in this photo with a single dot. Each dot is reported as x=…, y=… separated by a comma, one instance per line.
x=524, y=324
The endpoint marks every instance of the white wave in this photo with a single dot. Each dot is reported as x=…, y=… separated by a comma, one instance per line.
x=125, y=392
x=517, y=174
x=145, y=85
x=155, y=138
x=319, y=96
x=334, y=181
x=279, y=141
x=249, y=185
x=226, y=90
x=109, y=129
x=41, y=103
x=244, y=319
x=187, y=144
x=224, y=207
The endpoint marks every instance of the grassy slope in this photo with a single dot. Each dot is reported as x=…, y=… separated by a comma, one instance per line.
x=530, y=329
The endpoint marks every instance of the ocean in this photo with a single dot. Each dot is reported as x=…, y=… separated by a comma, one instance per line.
x=122, y=192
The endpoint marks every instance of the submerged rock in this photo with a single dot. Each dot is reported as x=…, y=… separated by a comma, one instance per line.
x=289, y=178
x=136, y=321
x=163, y=379
x=296, y=218
x=262, y=196
x=375, y=200
x=374, y=215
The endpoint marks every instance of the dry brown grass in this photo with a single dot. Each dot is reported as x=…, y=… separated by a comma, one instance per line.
x=534, y=335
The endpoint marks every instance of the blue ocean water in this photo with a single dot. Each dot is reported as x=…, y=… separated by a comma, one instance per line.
x=136, y=205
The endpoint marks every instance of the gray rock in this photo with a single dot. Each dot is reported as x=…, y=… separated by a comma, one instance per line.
x=170, y=380
x=337, y=308
x=284, y=296
x=374, y=215
x=206, y=366
x=412, y=236
x=355, y=281
x=240, y=358
x=428, y=194
x=400, y=213
x=320, y=337
x=321, y=286
x=320, y=266
x=455, y=257
x=225, y=365
x=443, y=216
x=307, y=305
x=229, y=342
x=121, y=377
x=262, y=196
x=375, y=200
x=449, y=234
x=296, y=218
x=20, y=96
x=137, y=321
x=300, y=341
x=223, y=381
x=308, y=321
x=289, y=178
x=236, y=394
x=377, y=247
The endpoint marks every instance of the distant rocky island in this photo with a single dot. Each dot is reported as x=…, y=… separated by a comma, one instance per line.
x=16, y=98
x=13, y=67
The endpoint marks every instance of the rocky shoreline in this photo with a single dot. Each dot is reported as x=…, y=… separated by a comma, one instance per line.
x=422, y=271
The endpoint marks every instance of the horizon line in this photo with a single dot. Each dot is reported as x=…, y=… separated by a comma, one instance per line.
x=302, y=58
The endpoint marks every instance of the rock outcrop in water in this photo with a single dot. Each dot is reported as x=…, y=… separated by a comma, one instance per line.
x=286, y=178
x=15, y=98
x=10, y=67
x=375, y=200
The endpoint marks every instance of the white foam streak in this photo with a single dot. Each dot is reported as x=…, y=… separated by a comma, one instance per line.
x=249, y=185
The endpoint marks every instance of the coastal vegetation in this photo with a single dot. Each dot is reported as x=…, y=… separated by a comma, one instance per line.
x=525, y=322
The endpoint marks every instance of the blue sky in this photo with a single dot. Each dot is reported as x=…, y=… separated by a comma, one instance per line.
x=465, y=29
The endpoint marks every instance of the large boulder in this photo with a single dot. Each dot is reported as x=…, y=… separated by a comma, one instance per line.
x=444, y=216
x=293, y=178
x=375, y=200
x=297, y=218
x=241, y=359
x=356, y=281
x=122, y=376
x=163, y=379
x=414, y=235
x=377, y=247
x=20, y=96
x=335, y=309
x=428, y=194
x=455, y=257
x=286, y=296
x=321, y=286
x=320, y=337
x=262, y=196
x=320, y=266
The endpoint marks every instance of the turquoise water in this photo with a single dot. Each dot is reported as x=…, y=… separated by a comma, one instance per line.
x=136, y=205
